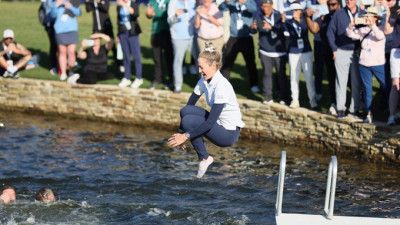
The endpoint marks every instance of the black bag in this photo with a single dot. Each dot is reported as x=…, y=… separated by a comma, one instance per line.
x=358, y=47
x=42, y=14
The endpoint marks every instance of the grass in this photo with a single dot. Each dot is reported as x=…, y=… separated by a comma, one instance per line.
x=22, y=18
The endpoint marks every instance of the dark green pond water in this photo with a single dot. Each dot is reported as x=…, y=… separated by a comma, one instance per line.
x=116, y=174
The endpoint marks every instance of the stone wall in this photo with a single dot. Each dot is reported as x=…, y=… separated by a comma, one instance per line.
x=160, y=108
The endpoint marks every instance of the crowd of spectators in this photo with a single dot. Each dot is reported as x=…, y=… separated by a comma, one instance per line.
x=352, y=40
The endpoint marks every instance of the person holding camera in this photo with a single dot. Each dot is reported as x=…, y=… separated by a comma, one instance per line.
x=128, y=33
x=372, y=56
x=95, y=55
x=181, y=24
x=392, y=25
x=66, y=29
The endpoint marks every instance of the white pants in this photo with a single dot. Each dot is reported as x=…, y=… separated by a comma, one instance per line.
x=298, y=62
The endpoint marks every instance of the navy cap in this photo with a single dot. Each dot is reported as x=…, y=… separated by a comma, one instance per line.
x=267, y=2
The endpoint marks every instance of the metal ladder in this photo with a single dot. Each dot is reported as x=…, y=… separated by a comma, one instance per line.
x=327, y=218
x=330, y=187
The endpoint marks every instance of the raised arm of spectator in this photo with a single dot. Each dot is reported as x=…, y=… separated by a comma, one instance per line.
x=76, y=10
x=353, y=33
x=311, y=24
x=104, y=5
x=109, y=41
x=250, y=5
x=132, y=11
x=89, y=5
x=389, y=23
x=173, y=13
x=81, y=52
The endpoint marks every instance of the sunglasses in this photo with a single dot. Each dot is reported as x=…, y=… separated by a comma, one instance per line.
x=8, y=38
x=332, y=4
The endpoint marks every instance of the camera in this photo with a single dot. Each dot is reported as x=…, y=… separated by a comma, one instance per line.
x=185, y=10
x=359, y=21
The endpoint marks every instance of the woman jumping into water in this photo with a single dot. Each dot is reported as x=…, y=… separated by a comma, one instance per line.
x=222, y=124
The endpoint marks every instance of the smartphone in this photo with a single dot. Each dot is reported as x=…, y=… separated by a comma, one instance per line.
x=185, y=10
x=89, y=42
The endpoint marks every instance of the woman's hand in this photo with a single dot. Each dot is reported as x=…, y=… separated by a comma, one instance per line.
x=177, y=139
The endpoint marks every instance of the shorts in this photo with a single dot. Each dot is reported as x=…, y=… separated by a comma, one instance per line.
x=395, y=63
x=67, y=38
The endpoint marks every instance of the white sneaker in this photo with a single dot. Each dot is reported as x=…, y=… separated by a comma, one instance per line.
x=255, y=89
x=7, y=74
x=73, y=78
x=192, y=69
x=122, y=69
x=12, y=69
x=368, y=119
x=332, y=110
x=391, y=121
x=136, y=83
x=53, y=71
x=268, y=101
x=124, y=82
x=203, y=166
x=63, y=76
x=294, y=104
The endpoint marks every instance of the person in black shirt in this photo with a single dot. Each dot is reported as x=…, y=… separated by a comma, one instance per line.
x=320, y=25
x=96, y=58
x=102, y=22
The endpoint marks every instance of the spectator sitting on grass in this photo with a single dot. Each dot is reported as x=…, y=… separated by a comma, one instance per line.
x=96, y=57
x=13, y=56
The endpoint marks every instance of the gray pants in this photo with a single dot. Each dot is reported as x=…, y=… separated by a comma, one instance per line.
x=345, y=61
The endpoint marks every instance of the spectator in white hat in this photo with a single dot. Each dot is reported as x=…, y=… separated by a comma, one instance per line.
x=13, y=56
x=300, y=56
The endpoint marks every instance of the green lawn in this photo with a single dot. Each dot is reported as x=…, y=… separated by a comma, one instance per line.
x=22, y=18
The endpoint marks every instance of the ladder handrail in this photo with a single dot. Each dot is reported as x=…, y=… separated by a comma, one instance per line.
x=281, y=181
x=331, y=188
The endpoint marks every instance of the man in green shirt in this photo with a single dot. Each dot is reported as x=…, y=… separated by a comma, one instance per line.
x=160, y=40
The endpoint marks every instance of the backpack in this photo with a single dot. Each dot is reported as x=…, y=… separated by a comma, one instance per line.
x=42, y=14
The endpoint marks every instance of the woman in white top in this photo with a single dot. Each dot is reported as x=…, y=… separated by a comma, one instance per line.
x=222, y=124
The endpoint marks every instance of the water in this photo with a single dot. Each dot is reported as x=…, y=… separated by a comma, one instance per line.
x=116, y=174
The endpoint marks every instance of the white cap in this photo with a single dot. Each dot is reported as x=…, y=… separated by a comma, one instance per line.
x=295, y=6
x=8, y=33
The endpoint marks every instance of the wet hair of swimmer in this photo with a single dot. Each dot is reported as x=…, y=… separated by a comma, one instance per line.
x=211, y=55
x=8, y=187
x=45, y=195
